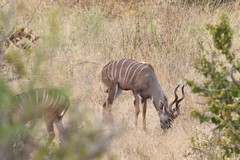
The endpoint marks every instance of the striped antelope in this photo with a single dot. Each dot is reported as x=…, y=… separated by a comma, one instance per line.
x=50, y=104
x=140, y=78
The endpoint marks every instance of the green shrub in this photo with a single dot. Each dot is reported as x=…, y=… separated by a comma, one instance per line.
x=221, y=93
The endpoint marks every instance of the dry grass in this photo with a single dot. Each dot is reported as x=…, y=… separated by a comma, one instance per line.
x=168, y=37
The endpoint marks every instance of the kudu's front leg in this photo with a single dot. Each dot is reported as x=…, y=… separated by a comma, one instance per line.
x=61, y=130
x=137, y=110
x=112, y=93
x=107, y=114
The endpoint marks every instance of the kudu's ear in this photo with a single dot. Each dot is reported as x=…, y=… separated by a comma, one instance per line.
x=161, y=105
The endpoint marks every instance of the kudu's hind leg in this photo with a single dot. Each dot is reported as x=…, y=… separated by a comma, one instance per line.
x=112, y=94
x=61, y=130
x=144, y=113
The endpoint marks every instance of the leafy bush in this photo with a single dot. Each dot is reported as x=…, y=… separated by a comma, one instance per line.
x=221, y=92
x=17, y=140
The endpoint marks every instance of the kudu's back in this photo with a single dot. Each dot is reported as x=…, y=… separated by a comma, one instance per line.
x=127, y=73
x=37, y=103
x=49, y=104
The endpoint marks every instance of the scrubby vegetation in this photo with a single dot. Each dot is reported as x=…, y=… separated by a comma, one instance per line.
x=222, y=94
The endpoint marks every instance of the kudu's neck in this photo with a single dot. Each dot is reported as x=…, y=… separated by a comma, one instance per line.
x=158, y=96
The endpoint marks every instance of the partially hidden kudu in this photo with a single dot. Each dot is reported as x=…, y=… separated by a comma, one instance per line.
x=140, y=78
x=49, y=104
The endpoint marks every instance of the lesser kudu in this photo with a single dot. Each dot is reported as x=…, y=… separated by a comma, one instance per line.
x=49, y=104
x=140, y=78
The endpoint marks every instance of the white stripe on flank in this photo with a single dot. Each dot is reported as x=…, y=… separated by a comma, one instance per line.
x=30, y=99
x=108, y=71
x=131, y=70
x=112, y=73
x=51, y=99
x=64, y=98
x=60, y=102
x=20, y=105
x=45, y=102
x=126, y=71
x=115, y=75
x=56, y=100
x=43, y=98
x=146, y=75
x=135, y=72
x=104, y=72
x=120, y=71
x=23, y=99
x=140, y=72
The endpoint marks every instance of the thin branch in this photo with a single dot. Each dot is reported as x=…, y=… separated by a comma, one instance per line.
x=35, y=11
x=4, y=38
x=202, y=103
x=4, y=4
x=86, y=62
x=216, y=90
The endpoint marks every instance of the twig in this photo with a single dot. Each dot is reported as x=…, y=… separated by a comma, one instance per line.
x=4, y=4
x=35, y=11
x=216, y=90
x=84, y=62
x=202, y=103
